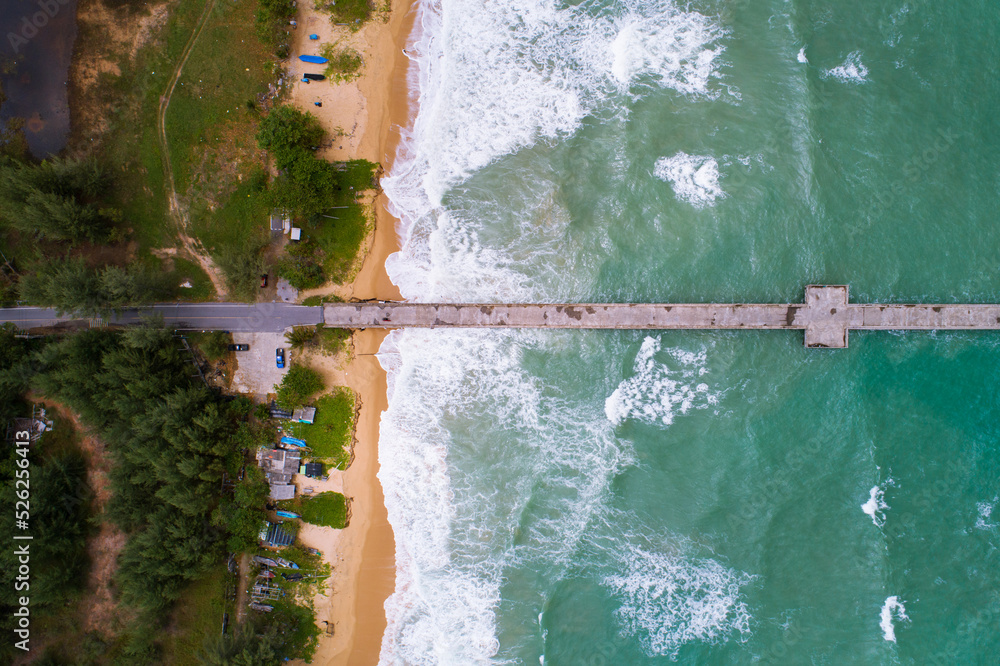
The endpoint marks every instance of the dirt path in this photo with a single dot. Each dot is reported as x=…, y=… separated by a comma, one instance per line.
x=241, y=591
x=180, y=214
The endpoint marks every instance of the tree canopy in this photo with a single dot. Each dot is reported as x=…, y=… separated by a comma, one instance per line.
x=57, y=199
x=70, y=286
x=170, y=440
x=297, y=386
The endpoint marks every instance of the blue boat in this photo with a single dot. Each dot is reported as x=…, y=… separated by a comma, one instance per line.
x=316, y=60
x=287, y=514
x=294, y=442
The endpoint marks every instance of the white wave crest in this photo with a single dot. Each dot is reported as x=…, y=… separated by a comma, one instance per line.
x=656, y=391
x=695, y=178
x=464, y=509
x=494, y=78
x=985, y=510
x=852, y=71
x=668, y=600
x=892, y=607
x=875, y=507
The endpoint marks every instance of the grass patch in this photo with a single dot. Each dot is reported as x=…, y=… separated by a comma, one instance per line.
x=210, y=126
x=345, y=63
x=201, y=288
x=131, y=148
x=332, y=435
x=326, y=509
x=331, y=341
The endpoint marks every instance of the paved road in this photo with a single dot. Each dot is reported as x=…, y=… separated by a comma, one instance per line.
x=259, y=317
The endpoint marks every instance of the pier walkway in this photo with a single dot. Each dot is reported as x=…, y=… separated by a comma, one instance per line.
x=825, y=316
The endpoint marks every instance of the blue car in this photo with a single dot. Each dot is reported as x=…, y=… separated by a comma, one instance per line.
x=280, y=357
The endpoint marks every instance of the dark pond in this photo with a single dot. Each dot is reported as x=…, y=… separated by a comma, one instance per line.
x=38, y=36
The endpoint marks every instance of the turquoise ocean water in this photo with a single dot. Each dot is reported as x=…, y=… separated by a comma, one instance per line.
x=698, y=497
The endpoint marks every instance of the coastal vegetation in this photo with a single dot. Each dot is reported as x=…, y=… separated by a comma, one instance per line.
x=70, y=286
x=297, y=386
x=56, y=200
x=246, y=513
x=327, y=509
x=331, y=436
x=109, y=203
x=344, y=63
x=271, y=20
x=319, y=338
x=213, y=344
x=170, y=440
x=311, y=188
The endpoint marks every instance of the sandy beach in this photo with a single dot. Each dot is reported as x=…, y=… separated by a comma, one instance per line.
x=362, y=117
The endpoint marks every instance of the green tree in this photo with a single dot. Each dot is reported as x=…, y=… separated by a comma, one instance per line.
x=246, y=646
x=70, y=286
x=290, y=135
x=56, y=200
x=298, y=384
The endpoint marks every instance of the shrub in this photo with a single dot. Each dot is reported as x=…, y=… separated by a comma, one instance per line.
x=299, y=336
x=345, y=64
x=297, y=386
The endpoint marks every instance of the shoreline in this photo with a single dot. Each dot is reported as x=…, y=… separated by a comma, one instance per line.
x=371, y=109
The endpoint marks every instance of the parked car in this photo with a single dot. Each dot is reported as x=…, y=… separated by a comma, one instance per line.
x=280, y=357
x=239, y=347
x=263, y=280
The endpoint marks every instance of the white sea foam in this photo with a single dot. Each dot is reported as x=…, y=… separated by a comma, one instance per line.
x=658, y=391
x=495, y=78
x=985, y=510
x=851, y=71
x=801, y=57
x=892, y=608
x=876, y=506
x=695, y=178
x=668, y=600
x=458, y=503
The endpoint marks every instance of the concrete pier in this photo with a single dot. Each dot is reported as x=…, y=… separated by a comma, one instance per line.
x=825, y=316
